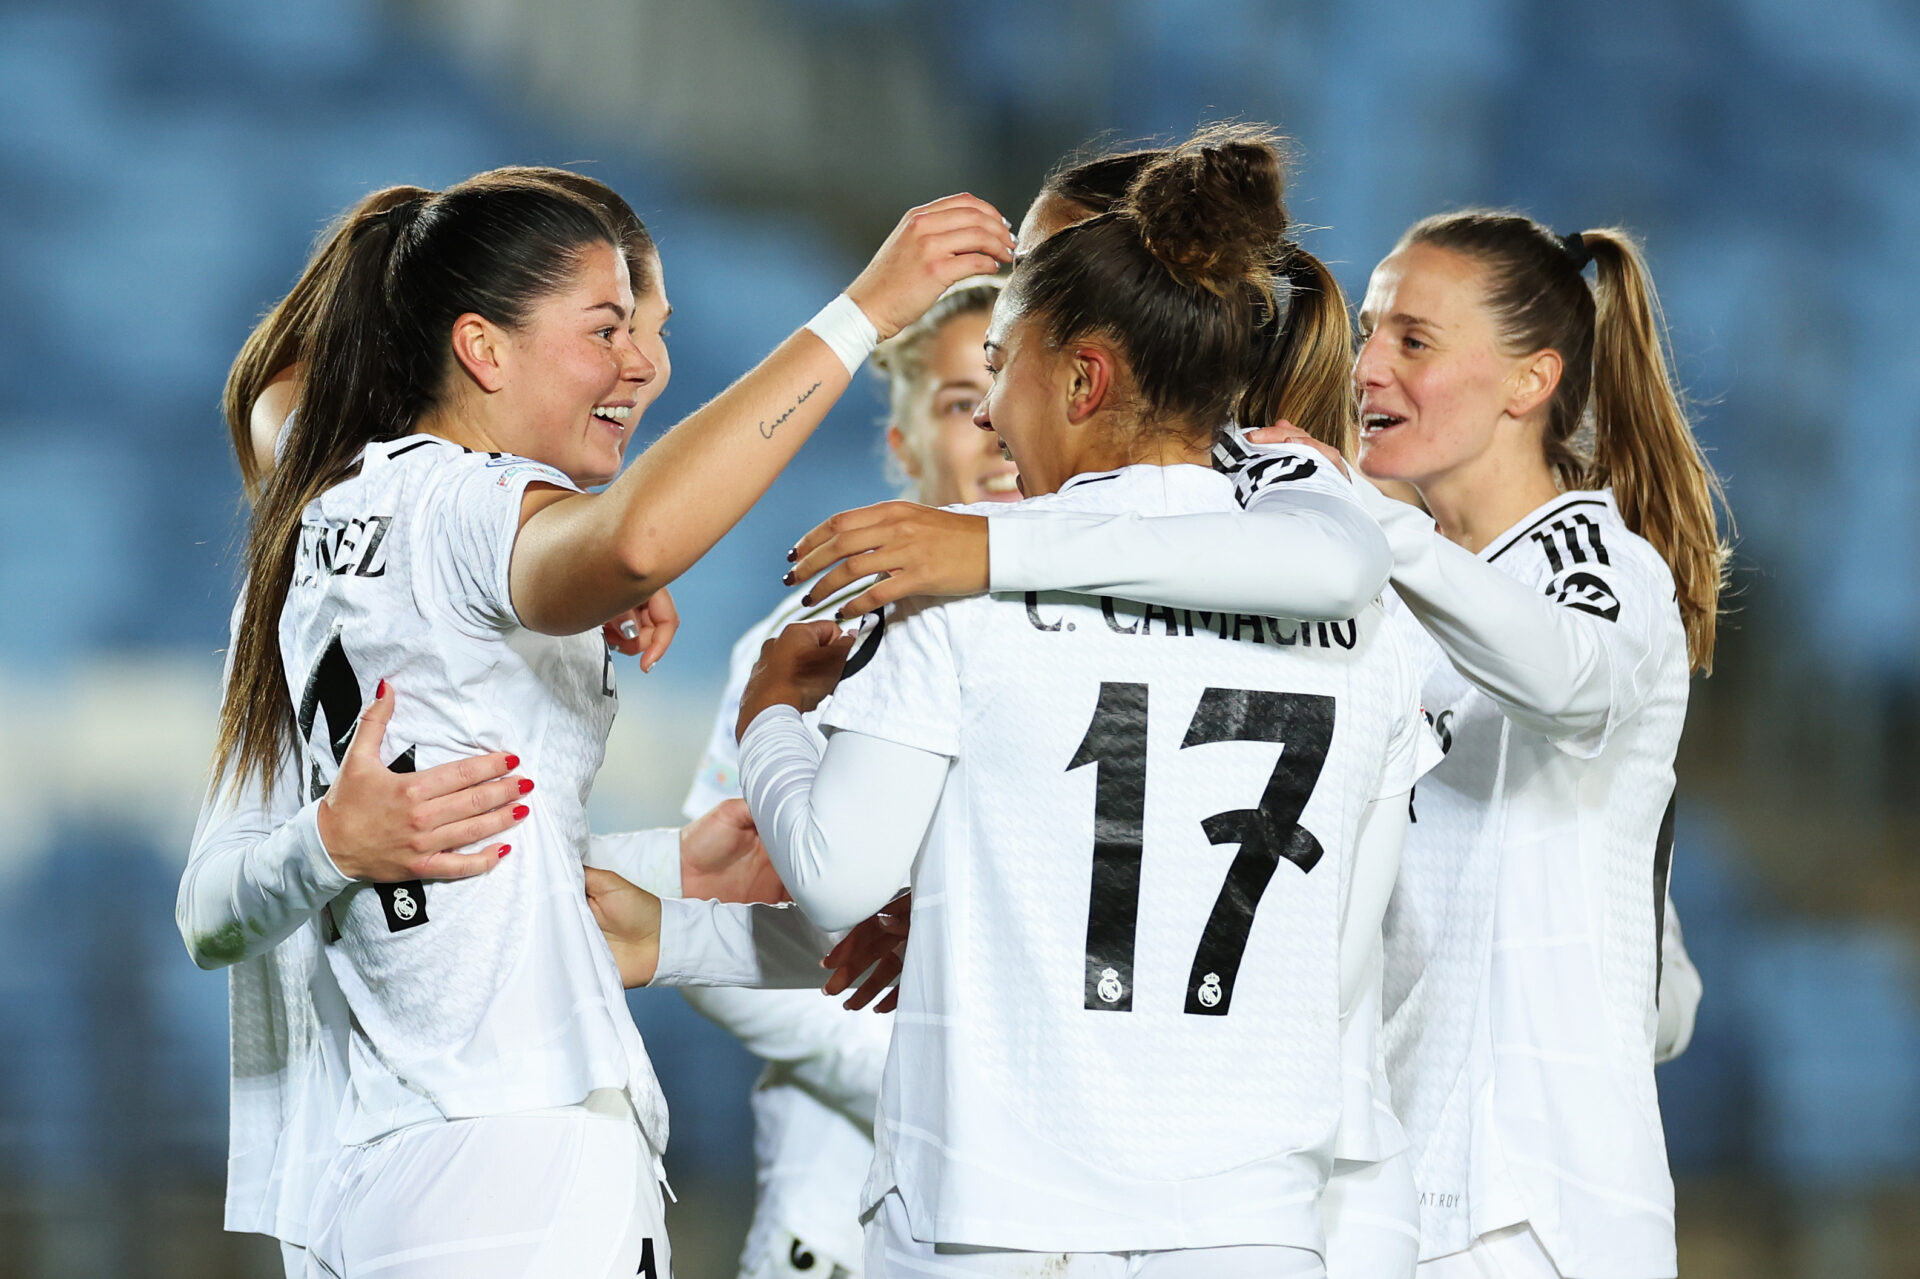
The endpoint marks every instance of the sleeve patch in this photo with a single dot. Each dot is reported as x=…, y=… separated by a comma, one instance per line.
x=1587, y=592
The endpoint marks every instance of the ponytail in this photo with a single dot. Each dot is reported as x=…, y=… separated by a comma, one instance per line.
x=374, y=353
x=274, y=344
x=1644, y=448
x=1306, y=377
x=1616, y=380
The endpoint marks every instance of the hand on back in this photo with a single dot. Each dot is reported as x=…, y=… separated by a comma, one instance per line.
x=916, y=550
x=387, y=827
x=799, y=667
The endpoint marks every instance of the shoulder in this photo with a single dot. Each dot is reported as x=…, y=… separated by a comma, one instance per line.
x=1257, y=469
x=1579, y=550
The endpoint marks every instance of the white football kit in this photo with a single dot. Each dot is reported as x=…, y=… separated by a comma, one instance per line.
x=1524, y=951
x=1119, y=1027
x=814, y=1104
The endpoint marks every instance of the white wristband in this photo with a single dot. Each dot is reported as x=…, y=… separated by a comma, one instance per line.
x=844, y=327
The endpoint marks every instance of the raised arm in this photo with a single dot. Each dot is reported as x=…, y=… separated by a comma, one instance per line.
x=1312, y=552
x=581, y=558
x=1563, y=670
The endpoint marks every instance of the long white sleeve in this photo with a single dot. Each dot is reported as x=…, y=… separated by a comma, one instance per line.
x=1311, y=555
x=1680, y=992
x=1383, y=830
x=712, y=943
x=1545, y=665
x=841, y=828
x=649, y=859
x=808, y=1035
x=255, y=873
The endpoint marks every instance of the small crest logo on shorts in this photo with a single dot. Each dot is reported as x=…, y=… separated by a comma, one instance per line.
x=405, y=904
x=1209, y=992
x=1109, y=988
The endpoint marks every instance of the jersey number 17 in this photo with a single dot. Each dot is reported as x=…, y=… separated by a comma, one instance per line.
x=1116, y=745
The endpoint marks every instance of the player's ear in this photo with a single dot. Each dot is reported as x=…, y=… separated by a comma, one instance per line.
x=1534, y=380
x=480, y=348
x=1090, y=382
x=908, y=459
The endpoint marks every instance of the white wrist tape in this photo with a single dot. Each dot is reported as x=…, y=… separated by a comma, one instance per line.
x=843, y=326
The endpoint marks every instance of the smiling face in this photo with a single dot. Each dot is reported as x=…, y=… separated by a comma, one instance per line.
x=1026, y=405
x=1434, y=386
x=948, y=458
x=580, y=369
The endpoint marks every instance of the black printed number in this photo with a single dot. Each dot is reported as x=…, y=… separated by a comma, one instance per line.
x=333, y=691
x=1116, y=744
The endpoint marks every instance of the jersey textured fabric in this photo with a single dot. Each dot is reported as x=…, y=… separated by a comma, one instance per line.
x=494, y=994
x=256, y=874
x=1522, y=944
x=1099, y=1047
x=814, y=1103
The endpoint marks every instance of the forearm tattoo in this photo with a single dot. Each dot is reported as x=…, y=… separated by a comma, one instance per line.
x=768, y=428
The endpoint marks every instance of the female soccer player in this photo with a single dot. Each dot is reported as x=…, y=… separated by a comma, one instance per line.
x=1149, y=1083
x=814, y=1105
x=1565, y=591
x=256, y=877
x=470, y=367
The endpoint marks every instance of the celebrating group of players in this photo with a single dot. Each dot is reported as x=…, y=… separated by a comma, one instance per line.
x=1273, y=870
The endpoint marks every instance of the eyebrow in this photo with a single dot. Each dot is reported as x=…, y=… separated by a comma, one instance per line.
x=619, y=311
x=1408, y=320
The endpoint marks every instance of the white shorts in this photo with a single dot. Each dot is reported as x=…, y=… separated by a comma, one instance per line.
x=1514, y=1252
x=893, y=1253
x=1371, y=1216
x=562, y=1194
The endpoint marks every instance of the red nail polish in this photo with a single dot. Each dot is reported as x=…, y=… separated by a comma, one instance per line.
x=513, y=762
x=526, y=785
x=381, y=691
x=505, y=849
x=520, y=812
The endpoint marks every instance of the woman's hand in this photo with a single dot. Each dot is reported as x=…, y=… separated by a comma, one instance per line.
x=877, y=949
x=647, y=630
x=799, y=667
x=1284, y=432
x=721, y=857
x=917, y=550
x=388, y=827
x=934, y=246
x=629, y=918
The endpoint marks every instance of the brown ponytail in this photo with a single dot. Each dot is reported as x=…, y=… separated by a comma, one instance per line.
x=387, y=284
x=1616, y=418
x=1644, y=448
x=1306, y=377
x=1180, y=275
x=274, y=344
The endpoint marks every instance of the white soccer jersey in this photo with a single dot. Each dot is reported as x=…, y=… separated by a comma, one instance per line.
x=811, y=1152
x=493, y=994
x=1522, y=942
x=1118, y=1024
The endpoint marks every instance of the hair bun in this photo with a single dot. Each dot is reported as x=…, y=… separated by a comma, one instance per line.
x=1213, y=209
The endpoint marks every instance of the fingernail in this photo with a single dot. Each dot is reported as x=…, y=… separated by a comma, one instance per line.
x=793, y=553
x=786, y=578
x=526, y=785
x=505, y=849
x=629, y=630
x=520, y=812
x=839, y=614
x=513, y=762
x=807, y=599
x=380, y=691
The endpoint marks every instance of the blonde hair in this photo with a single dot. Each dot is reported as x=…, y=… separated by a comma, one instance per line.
x=901, y=360
x=1616, y=419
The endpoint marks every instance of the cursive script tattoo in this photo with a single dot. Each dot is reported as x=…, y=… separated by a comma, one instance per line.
x=768, y=428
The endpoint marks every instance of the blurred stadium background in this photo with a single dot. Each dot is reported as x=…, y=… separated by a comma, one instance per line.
x=167, y=163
